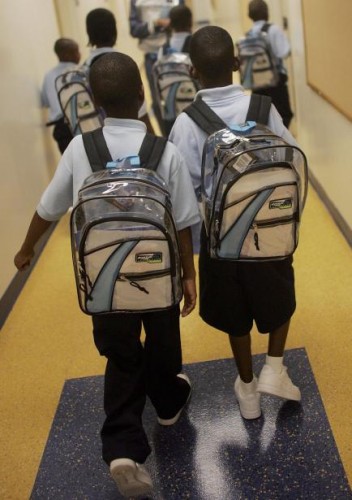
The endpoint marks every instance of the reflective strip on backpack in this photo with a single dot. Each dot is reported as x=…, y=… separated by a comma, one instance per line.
x=231, y=244
x=101, y=294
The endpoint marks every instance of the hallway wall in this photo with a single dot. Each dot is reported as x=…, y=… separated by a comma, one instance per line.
x=323, y=132
x=28, y=29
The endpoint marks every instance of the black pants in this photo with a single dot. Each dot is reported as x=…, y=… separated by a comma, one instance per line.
x=62, y=134
x=280, y=98
x=134, y=371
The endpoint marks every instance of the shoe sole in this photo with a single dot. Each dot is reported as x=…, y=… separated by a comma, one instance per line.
x=274, y=391
x=127, y=481
x=250, y=415
x=171, y=421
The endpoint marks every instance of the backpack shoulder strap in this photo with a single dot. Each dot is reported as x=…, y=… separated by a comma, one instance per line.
x=259, y=109
x=186, y=44
x=151, y=151
x=265, y=27
x=96, y=149
x=204, y=116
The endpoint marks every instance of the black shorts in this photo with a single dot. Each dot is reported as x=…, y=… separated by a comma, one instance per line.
x=234, y=294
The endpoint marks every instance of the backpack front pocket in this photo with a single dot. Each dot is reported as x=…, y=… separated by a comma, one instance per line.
x=260, y=226
x=120, y=272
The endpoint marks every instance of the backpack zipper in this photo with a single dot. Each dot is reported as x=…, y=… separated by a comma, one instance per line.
x=133, y=279
x=262, y=224
x=121, y=179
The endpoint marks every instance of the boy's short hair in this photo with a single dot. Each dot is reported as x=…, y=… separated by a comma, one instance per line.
x=180, y=18
x=101, y=27
x=115, y=81
x=258, y=10
x=64, y=47
x=212, y=51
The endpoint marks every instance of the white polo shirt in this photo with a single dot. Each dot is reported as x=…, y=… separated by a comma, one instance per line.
x=124, y=138
x=231, y=105
x=177, y=40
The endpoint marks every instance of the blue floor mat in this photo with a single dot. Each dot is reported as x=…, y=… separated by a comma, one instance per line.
x=211, y=453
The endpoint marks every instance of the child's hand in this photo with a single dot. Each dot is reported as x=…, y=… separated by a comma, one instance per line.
x=190, y=296
x=22, y=260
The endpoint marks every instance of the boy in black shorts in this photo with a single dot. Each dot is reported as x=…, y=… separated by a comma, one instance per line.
x=233, y=295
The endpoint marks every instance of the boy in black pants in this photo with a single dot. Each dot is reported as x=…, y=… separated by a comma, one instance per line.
x=234, y=294
x=133, y=371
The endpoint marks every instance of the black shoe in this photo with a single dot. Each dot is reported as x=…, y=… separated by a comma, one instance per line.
x=174, y=419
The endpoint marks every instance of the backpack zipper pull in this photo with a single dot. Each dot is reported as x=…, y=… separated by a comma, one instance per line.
x=137, y=285
x=256, y=237
x=133, y=283
x=217, y=230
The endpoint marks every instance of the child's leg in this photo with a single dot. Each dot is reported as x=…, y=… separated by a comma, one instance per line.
x=163, y=363
x=277, y=340
x=117, y=337
x=125, y=444
x=245, y=386
x=241, y=349
x=274, y=378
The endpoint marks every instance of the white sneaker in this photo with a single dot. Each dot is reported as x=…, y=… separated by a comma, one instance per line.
x=278, y=384
x=249, y=403
x=132, y=479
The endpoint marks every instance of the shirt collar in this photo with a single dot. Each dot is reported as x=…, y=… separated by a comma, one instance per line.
x=259, y=24
x=125, y=123
x=219, y=93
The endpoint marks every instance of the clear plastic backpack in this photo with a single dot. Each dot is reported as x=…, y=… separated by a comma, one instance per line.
x=124, y=241
x=174, y=87
x=254, y=187
x=77, y=103
x=253, y=191
x=259, y=67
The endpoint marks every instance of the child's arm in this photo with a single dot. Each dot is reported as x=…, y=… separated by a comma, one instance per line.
x=37, y=228
x=188, y=271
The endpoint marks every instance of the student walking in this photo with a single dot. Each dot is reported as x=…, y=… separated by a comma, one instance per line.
x=67, y=51
x=149, y=23
x=233, y=295
x=258, y=12
x=133, y=371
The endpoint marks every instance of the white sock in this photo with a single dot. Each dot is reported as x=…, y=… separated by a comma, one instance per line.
x=275, y=363
x=248, y=387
